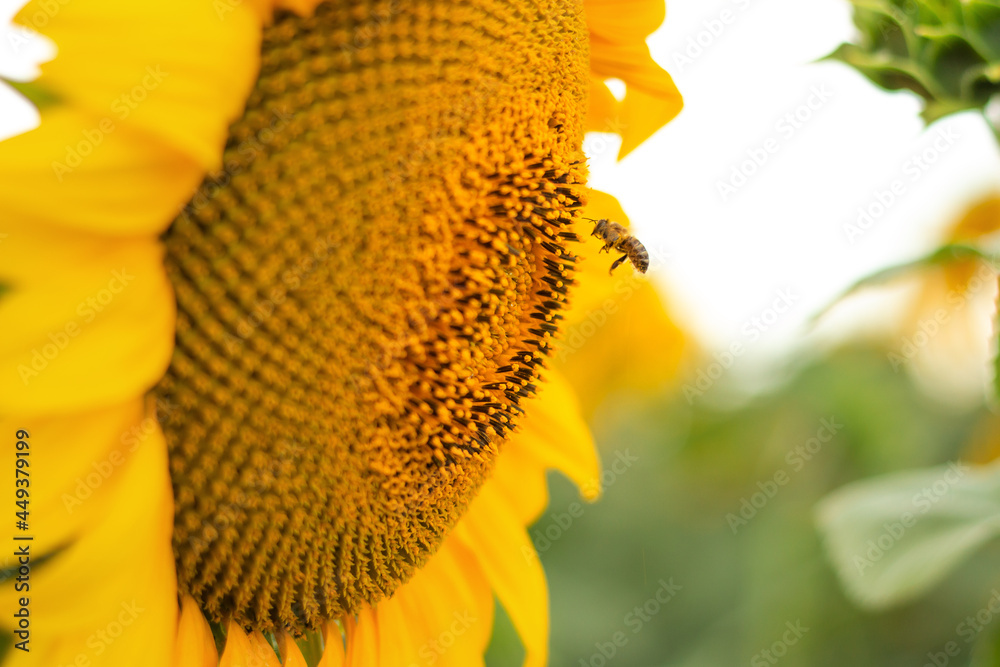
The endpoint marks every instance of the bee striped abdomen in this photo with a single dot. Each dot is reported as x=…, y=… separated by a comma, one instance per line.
x=637, y=254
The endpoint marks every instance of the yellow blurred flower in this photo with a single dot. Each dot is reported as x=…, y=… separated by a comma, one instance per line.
x=945, y=337
x=618, y=334
x=278, y=402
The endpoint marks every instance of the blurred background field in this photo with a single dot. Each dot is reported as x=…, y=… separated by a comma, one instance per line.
x=665, y=518
x=719, y=500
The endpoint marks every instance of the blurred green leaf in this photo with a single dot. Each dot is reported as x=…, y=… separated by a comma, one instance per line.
x=505, y=646
x=996, y=350
x=892, y=538
x=942, y=50
x=39, y=95
x=946, y=254
x=987, y=650
x=667, y=516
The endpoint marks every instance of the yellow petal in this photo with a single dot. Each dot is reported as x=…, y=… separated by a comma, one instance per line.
x=195, y=644
x=306, y=7
x=643, y=113
x=620, y=356
x=244, y=650
x=604, y=111
x=982, y=219
x=396, y=633
x=262, y=652
x=520, y=477
x=600, y=350
x=448, y=606
x=624, y=20
x=179, y=72
x=362, y=640
x=144, y=95
x=290, y=653
x=979, y=220
x=109, y=592
x=333, y=646
x=554, y=435
x=94, y=320
x=618, y=50
x=602, y=205
x=49, y=182
x=594, y=285
x=238, y=648
x=491, y=530
x=944, y=336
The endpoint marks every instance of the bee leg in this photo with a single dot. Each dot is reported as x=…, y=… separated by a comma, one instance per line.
x=617, y=263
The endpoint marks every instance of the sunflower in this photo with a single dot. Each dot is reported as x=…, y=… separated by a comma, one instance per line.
x=944, y=337
x=279, y=284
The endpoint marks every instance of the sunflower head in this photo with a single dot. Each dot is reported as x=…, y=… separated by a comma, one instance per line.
x=339, y=329
x=365, y=296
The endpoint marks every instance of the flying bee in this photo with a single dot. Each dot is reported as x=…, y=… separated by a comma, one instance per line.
x=617, y=238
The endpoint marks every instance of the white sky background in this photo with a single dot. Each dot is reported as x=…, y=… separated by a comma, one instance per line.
x=20, y=52
x=783, y=229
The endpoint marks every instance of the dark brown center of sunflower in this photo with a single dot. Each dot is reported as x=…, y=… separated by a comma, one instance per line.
x=365, y=295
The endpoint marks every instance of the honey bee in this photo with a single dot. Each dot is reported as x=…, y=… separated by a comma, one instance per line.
x=616, y=237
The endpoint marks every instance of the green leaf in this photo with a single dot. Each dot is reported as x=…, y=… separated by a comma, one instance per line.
x=946, y=254
x=996, y=352
x=986, y=652
x=892, y=538
x=887, y=70
x=945, y=51
x=40, y=96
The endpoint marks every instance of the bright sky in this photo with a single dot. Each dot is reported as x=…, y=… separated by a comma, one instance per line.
x=783, y=228
x=740, y=235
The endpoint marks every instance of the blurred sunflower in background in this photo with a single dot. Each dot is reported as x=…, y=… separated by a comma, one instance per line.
x=945, y=337
x=279, y=284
